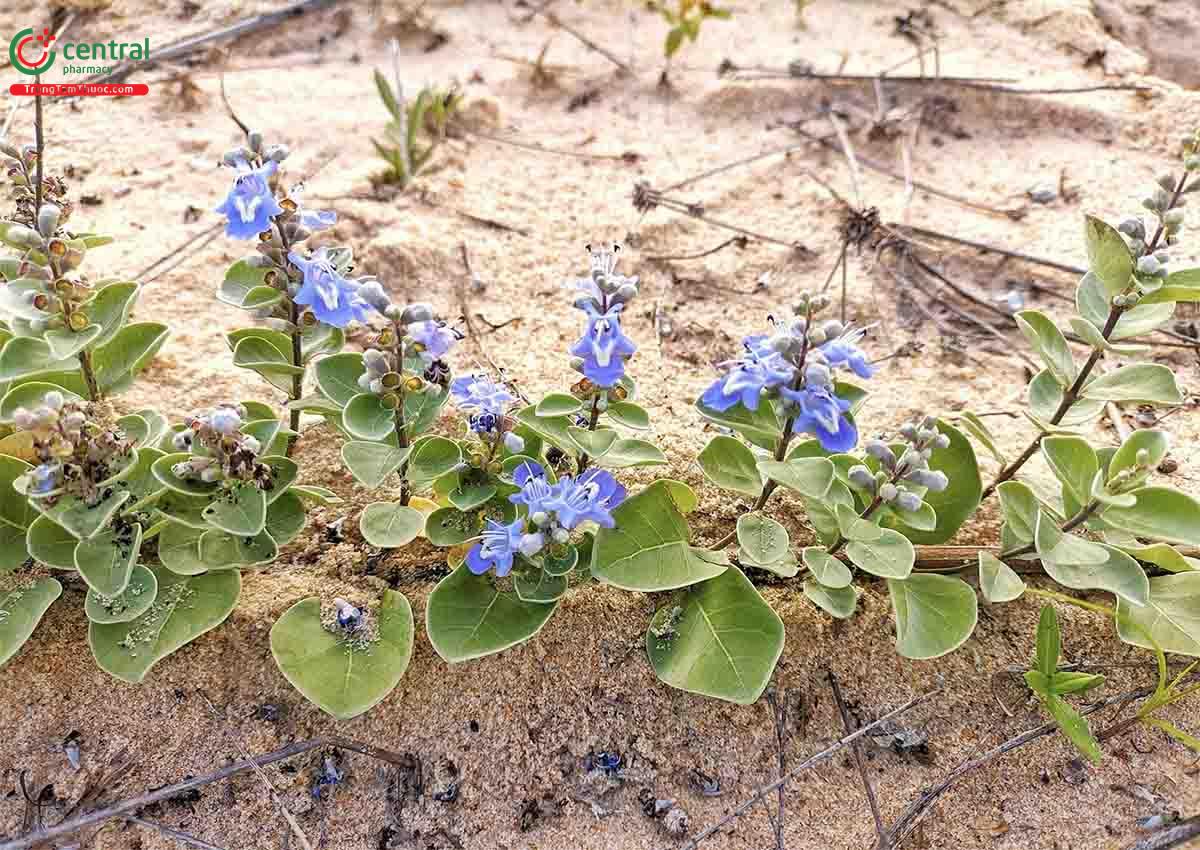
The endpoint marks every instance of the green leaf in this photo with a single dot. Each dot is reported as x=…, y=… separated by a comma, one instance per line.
x=127, y=353
x=82, y=520
x=285, y=518
x=649, y=547
x=1049, y=643
x=539, y=585
x=129, y=604
x=1049, y=343
x=1183, y=285
x=1141, y=382
x=726, y=462
x=810, y=477
x=14, y=550
x=21, y=609
x=162, y=471
x=222, y=550
x=553, y=429
x=468, y=496
x=15, y=509
x=1073, y=726
x=762, y=539
x=371, y=463
x=1093, y=303
x=1162, y=514
x=1094, y=337
x=1118, y=574
x=110, y=308
x=186, y=607
x=260, y=355
x=51, y=544
x=997, y=580
x=838, y=602
x=367, y=418
x=629, y=415
x=65, y=343
x=724, y=643
x=923, y=518
x=431, y=458
x=954, y=505
x=853, y=527
x=24, y=357
x=976, y=427
x=935, y=614
x=829, y=571
x=1020, y=507
x=760, y=426
x=558, y=404
x=240, y=510
x=337, y=377
x=340, y=677
x=467, y=617
x=1156, y=445
x=626, y=452
x=106, y=561
x=245, y=286
x=179, y=549
x=320, y=495
x=1074, y=463
x=891, y=556
x=1170, y=619
x=1045, y=397
x=592, y=443
x=1055, y=547
x=29, y=395
x=1109, y=258
x=1074, y=683
x=450, y=526
x=390, y=525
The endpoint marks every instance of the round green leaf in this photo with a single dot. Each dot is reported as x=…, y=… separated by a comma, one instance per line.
x=21, y=609
x=285, y=518
x=450, y=526
x=811, y=477
x=240, y=510
x=51, y=544
x=340, y=677
x=558, y=404
x=838, y=602
x=762, y=539
x=997, y=580
x=648, y=549
x=723, y=642
x=83, y=520
x=390, y=525
x=1109, y=258
x=371, y=463
x=1171, y=616
x=467, y=617
x=628, y=414
x=829, y=571
x=431, y=458
x=1142, y=382
x=1156, y=445
x=935, y=614
x=179, y=549
x=337, y=377
x=1161, y=514
x=727, y=462
x=626, y=452
x=185, y=608
x=890, y=556
x=129, y=604
x=367, y=418
x=106, y=561
x=1119, y=574
x=222, y=550
x=538, y=585
x=188, y=486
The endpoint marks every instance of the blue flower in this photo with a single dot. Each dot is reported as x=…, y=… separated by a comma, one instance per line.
x=762, y=368
x=823, y=414
x=537, y=494
x=844, y=352
x=43, y=479
x=250, y=204
x=435, y=338
x=496, y=548
x=603, y=346
x=482, y=395
x=333, y=299
x=526, y=471
x=315, y=220
x=590, y=496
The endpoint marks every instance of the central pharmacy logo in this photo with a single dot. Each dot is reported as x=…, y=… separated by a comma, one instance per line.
x=24, y=48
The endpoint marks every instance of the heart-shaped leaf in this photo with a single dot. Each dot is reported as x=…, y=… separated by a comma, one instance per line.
x=371, y=463
x=367, y=418
x=186, y=607
x=390, y=525
x=106, y=560
x=84, y=520
x=240, y=510
x=467, y=617
x=179, y=549
x=997, y=580
x=340, y=676
x=839, y=602
x=21, y=609
x=129, y=604
x=890, y=556
x=719, y=639
x=1170, y=620
x=935, y=614
x=727, y=462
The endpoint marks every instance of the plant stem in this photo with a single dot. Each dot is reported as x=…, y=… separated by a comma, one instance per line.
x=401, y=425
x=1072, y=393
x=89, y=375
x=40, y=142
x=1070, y=525
x=1071, y=600
x=592, y=422
x=297, y=345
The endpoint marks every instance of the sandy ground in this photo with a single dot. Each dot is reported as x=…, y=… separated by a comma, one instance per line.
x=518, y=728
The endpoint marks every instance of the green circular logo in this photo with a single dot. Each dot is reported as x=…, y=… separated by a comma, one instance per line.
x=23, y=50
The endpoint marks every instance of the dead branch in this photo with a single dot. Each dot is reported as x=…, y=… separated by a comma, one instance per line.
x=1172, y=836
x=856, y=751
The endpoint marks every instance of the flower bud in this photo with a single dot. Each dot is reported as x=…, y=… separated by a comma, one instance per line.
x=1142, y=457
x=560, y=535
x=513, y=443
x=907, y=501
x=530, y=544
x=47, y=219
x=1133, y=228
x=414, y=313
x=860, y=476
x=888, y=492
x=539, y=518
x=881, y=452
x=1148, y=266
x=277, y=153
x=53, y=400
x=255, y=139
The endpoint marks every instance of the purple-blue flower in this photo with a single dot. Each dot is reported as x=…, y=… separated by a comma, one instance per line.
x=496, y=548
x=603, y=346
x=844, y=352
x=762, y=368
x=315, y=220
x=250, y=204
x=333, y=299
x=527, y=470
x=823, y=414
x=481, y=395
x=436, y=338
x=537, y=494
x=590, y=496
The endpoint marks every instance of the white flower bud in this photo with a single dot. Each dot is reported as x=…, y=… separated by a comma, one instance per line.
x=530, y=544
x=225, y=421
x=47, y=219
x=513, y=443
x=888, y=492
x=53, y=400
x=907, y=501
x=539, y=518
x=210, y=475
x=561, y=535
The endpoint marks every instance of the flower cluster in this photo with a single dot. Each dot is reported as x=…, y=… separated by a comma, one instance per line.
x=316, y=281
x=552, y=512
x=794, y=365
x=487, y=403
x=889, y=484
x=20, y=164
x=219, y=449
x=601, y=352
x=76, y=455
x=417, y=340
